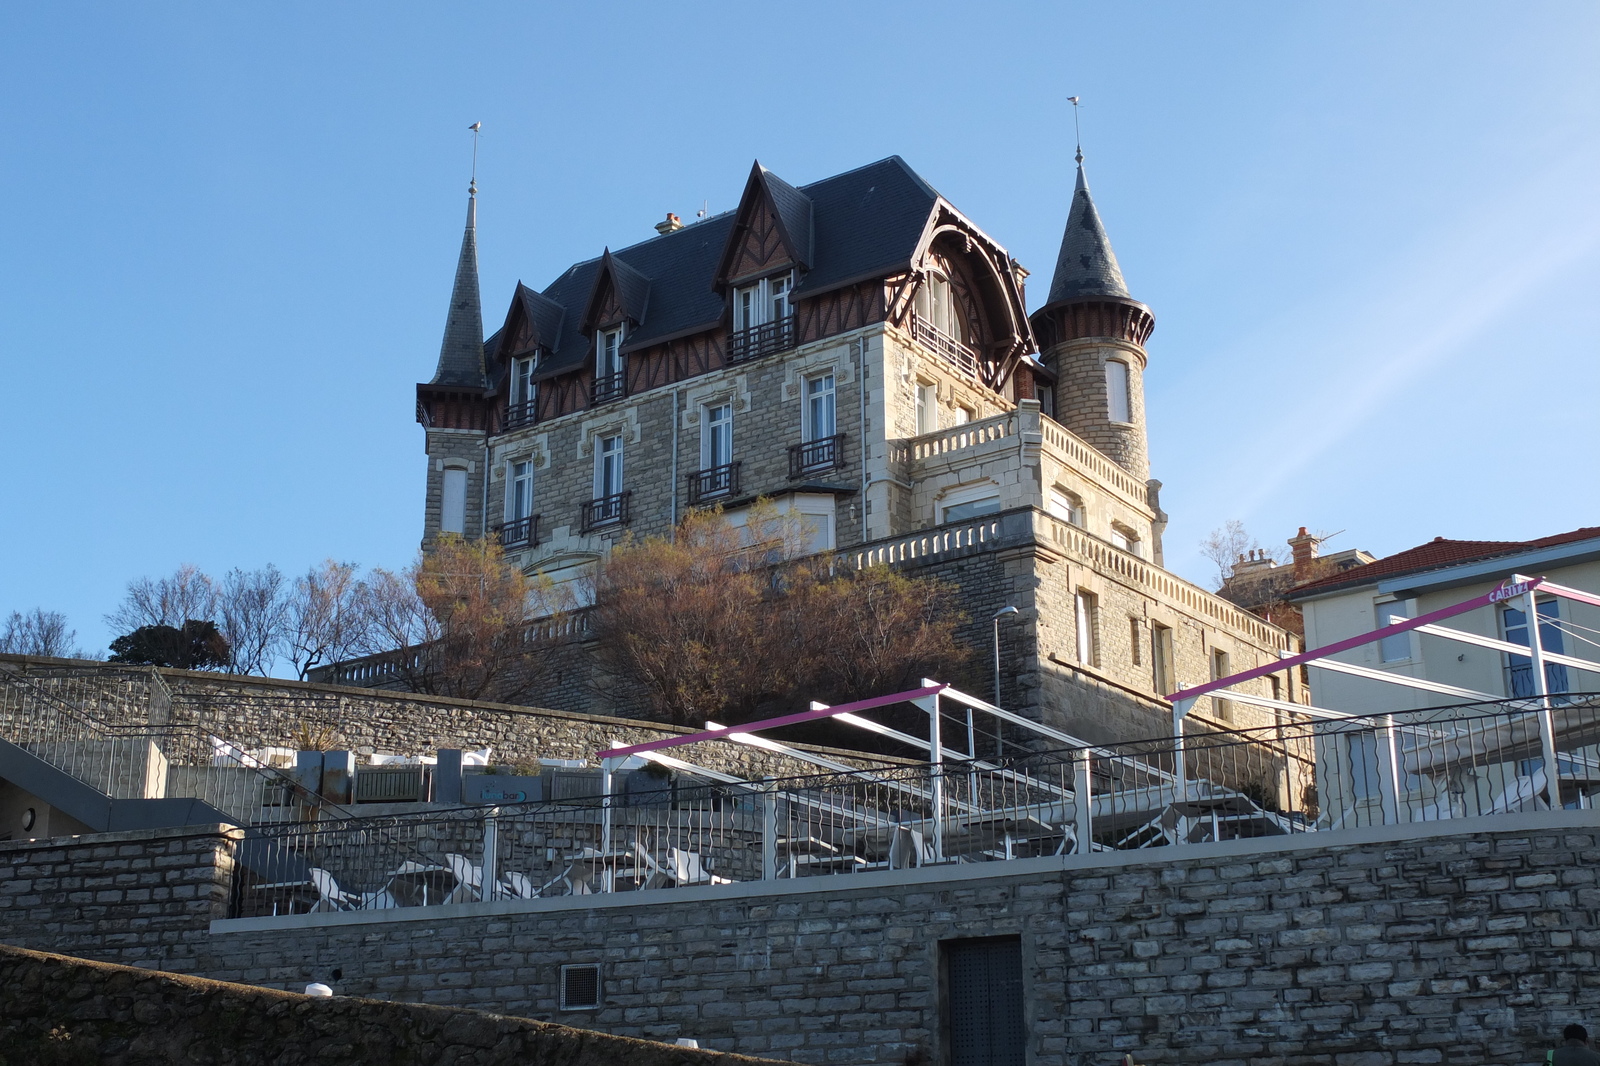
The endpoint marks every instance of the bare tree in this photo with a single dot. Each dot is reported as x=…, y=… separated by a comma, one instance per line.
x=722, y=621
x=41, y=633
x=1226, y=545
x=455, y=623
x=170, y=601
x=253, y=608
x=326, y=617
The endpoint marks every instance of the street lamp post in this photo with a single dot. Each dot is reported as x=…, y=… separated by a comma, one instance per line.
x=996, y=620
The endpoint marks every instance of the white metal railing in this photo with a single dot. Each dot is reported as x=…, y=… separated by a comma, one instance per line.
x=945, y=346
x=665, y=828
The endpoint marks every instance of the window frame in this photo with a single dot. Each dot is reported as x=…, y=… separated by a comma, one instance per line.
x=1119, y=372
x=519, y=472
x=608, y=354
x=716, y=421
x=453, y=494
x=523, y=388
x=603, y=457
x=927, y=408
x=1161, y=655
x=763, y=301
x=1391, y=644
x=809, y=428
x=1086, y=625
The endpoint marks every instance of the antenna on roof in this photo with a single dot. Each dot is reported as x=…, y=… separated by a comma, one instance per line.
x=476, y=128
x=705, y=206
x=1076, y=132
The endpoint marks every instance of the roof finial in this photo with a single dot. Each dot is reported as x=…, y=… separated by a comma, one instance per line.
x=1076, y=132
x=472, y=187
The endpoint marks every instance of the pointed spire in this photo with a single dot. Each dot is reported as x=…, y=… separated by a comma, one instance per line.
x=1086, y=266
x=461, y=354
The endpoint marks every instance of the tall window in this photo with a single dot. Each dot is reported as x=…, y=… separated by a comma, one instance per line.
x=1118, y=393
x=1134, y=640
x=453, y=501
x=1519, y=668
x=1396, y=648
x=608, y=353
x=522, y=385
x=964, y=414
x=519, y=494
x=1085, y=608
x=820, y=420
x=608, y=466
x=1126, y=539
x=1161, y=658
x=716, y=438
x=1220, y=669
x=936, y=305
x=927, y=408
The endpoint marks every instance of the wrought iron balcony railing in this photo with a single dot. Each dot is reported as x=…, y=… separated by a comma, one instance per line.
x=816, y=456
x=522, y=414
x=757, y=341
x=942, y=344
x=519, y=532
x=606, y=511
x=608, y=387
x=716, y=483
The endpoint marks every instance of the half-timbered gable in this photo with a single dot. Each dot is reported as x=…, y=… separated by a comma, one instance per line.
x=771, y=230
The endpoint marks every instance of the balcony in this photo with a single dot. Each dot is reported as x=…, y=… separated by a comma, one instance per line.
x=519, y=532
x=945, y=346
x=606, y=511
x=816, y=456
x=757, y=341
x=522, y=414
x=608, y=387
x=716, y=483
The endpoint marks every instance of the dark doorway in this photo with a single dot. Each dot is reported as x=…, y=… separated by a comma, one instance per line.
x=983, y=1002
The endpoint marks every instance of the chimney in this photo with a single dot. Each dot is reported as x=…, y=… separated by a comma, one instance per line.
x=1304, y=546
x=672, y=225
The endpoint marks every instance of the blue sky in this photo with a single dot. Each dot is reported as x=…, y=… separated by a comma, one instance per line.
x=1369, y=232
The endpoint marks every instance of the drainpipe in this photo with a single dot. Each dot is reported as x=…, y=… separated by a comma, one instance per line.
x=483, y=511
x=861, y=388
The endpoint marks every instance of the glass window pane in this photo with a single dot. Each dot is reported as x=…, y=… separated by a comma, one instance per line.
x=1117, y=398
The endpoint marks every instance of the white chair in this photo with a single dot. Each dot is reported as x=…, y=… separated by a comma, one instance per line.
x=688, y=869
x=337, y=899
x=907, y=848
x=515, y=886
x=469, y=879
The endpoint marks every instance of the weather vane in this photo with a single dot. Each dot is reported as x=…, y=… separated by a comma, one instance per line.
x=1076, y=132
x=476, y=128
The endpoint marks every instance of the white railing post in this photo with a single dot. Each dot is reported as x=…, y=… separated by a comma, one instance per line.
x=1180, y=767
x=769, y=832
x=1389, y=771
x=491, y=855
x=1547, y=723
x=1084, y=797
x=607, y=765
x=936, y=768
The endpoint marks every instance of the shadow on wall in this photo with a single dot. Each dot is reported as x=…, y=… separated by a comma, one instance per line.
x=56, y=1010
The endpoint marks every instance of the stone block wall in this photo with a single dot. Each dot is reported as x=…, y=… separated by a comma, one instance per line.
x=57, y=1009
x=1472, y=941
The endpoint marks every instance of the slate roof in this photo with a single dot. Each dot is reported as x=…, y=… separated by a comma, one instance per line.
x=857, y=225
x=1086, y=265
x=461, y=361
x=1436, y=554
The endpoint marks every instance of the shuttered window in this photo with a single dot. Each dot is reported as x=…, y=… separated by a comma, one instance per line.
x=983, y=1010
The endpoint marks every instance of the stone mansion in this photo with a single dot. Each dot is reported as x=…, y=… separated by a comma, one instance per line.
x=857, y=350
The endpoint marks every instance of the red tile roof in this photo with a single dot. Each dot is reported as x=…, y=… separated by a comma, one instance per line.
x=1438, y=553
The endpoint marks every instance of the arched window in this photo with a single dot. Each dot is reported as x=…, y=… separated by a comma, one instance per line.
x=1119, y=395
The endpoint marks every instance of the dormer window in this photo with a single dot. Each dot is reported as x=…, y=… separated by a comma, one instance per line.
x=608, y=369
x=763, y=318
x=523, y=403
x=936, y=306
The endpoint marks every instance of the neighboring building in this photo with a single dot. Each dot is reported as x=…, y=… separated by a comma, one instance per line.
x=1437, y=574
x=859, y=351
x=1261, y=585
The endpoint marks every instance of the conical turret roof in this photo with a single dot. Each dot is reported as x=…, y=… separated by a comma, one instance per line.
x=461, y=354
x=1086, y=266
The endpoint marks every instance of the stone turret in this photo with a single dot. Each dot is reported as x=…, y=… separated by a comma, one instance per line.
x=1092, y=334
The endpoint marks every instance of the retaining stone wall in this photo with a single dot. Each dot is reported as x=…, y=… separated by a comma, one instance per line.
x=60, y=1010
x=1471, y=942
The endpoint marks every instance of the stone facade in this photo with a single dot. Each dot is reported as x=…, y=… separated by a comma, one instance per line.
x=1467, y=941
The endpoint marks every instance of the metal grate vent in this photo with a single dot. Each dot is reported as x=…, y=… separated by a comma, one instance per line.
x=580, y=987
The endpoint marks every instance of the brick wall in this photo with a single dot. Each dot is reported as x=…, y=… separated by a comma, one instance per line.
x=1471, y=942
